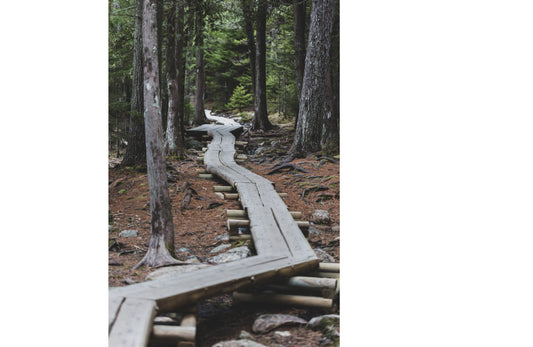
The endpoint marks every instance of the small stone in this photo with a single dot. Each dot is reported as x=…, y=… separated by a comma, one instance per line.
x=223, y=237
x=331, y=319
x=268, y=322
x=259, y=150
x=244, y=335
x=184, y=250
x=128, y=233
x=220, y=248
x=111, y=229
x=128, y=280
x=320, y=217
x=313, y=231
x=169, y=271
x=283, y=333
x=336, y=228
x=238, y=343
x=323, y=256
x=193, y=260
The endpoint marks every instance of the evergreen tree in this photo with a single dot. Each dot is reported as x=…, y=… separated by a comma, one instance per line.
x=239, y=99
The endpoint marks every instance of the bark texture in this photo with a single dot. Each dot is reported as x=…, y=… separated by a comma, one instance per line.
x=199, y=112
x=299, y=46
x=248, y=13
x=172, y=81
x=136, y=150
x=180, y=102
x=315, y=100
x=162, y=232
x=260, y=120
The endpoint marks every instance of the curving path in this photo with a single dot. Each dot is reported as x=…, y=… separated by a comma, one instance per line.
x=282, y=250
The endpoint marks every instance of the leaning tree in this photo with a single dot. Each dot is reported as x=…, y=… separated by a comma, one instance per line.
x=315, y=100
x=161, y=245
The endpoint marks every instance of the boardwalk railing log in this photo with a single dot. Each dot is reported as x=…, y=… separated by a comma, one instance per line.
x=282, y=250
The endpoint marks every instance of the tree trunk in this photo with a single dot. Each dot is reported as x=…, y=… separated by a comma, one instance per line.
x=180, y=102
x=315, y=100
x=172, y=82
x=260, y=120
x=299, y=48
x=162, y=77
x=248, y=12
x=161, y=245
x=331, y=139
x=199, y=112
x=136, y=150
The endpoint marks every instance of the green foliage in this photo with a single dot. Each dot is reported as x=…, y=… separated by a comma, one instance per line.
x=240, y=99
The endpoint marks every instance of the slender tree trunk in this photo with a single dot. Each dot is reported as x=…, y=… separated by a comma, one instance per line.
x=248, y=15
x=161, y=245
x=162, y=78
x=260, y=120
x=136, y=150
x=172, y=81
x=315, y=100
x=180, y=102
x=199, y=112
x=299, y=47
x=331, y=139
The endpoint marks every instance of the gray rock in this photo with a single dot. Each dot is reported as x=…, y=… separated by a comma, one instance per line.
x=336, y=228
x=282, y=333
x=313, y=230
x=169, y=271
x=220, y=248
x=320, y=217
x=128, y=280
x=231, y=255
x=329, y=318
x=128, y=233
x=244, y=335
x=223, y=237
x=268, y=322
x=238, y=343
x=184, y=250
x=323, y=256
x=259, y=150
x=112, y=228
x=193, y=260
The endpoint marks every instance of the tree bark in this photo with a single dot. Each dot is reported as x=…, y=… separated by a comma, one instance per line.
x=315, y=100
x=161, y=245
x=162, y=77
x=199, y=112
x=299, y=47
x=331, y=139
x=180, y=61
x=260, y=120
x=172, y=82
x=136, y=150
x=248, y=12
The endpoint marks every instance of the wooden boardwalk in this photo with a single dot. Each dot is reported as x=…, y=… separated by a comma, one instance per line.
x=282, y=250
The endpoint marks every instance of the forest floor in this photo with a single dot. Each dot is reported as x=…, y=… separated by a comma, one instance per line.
x=198, y=226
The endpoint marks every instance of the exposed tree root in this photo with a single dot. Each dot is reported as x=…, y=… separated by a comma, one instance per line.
x=286, y=165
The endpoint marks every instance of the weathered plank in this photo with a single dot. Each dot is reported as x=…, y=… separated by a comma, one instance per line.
x=133, y=324
x=114, y=306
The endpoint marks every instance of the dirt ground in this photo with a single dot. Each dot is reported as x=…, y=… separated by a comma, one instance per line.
x=197, y=226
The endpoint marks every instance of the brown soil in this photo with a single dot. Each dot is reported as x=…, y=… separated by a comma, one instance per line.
x=197, y=226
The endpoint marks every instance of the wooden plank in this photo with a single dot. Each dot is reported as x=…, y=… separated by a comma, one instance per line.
x=134, y=323
x=172, y=333
x=283, y=299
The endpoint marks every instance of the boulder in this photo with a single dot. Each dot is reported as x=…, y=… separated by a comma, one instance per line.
x=323, y=256
x=220, y=248
x=233, y=254
x=321, y=217
x=268, y=322
x=329, y=319
x=128, y=233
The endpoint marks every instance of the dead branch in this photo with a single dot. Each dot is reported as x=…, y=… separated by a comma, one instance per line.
x=286, y=165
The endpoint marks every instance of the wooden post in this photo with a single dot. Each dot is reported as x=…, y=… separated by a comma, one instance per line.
x=207, y=176
x=189, y=320
x=303, y=284
x=243, y=237
x=223, y=188
x=231, y=196
x=283, y=299
x=241, y=143
x=220, y=195
x=283, y=195
x=172, y=333
x=329, y=267
x=200, y=160
x=201, y=171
